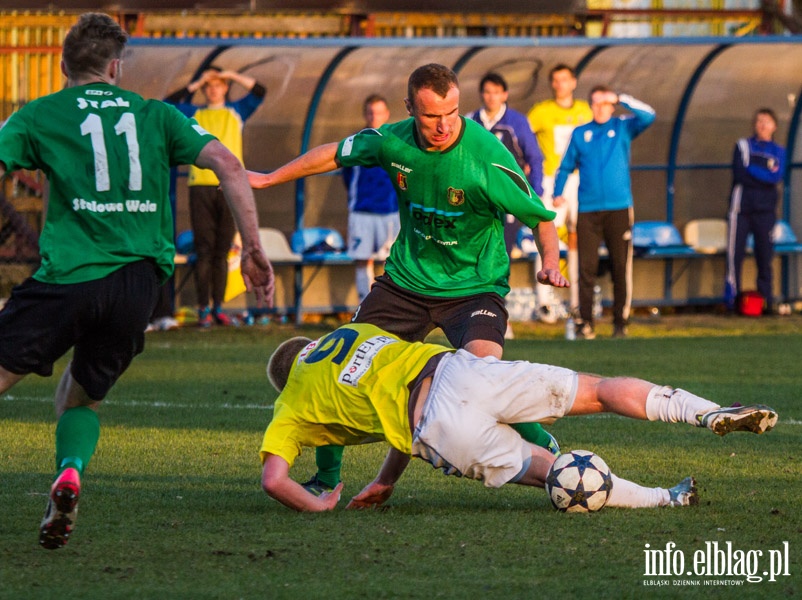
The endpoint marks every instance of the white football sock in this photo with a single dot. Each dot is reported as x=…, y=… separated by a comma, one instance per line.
x=676, y=405
x=627, y=494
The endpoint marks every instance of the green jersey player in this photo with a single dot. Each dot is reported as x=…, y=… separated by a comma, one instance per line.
x=448, y=267
x=106, y=245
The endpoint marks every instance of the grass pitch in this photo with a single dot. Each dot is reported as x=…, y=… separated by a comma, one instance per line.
x=172, y=507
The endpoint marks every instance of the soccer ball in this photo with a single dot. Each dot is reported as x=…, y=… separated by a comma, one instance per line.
x=579, y=481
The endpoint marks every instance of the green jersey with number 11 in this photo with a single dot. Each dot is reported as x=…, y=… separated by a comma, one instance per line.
x=452, y=206
x=107, y=154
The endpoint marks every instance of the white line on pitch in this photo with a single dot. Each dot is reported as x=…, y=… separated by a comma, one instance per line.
x=130, y=403
x=227, y=405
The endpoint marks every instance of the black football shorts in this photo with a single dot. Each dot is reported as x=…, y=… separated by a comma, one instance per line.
x=411, y=316
x=103, y=320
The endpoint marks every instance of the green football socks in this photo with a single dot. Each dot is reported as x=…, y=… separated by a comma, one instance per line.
x=329, y=461
x=77, y=433
x=533, y=433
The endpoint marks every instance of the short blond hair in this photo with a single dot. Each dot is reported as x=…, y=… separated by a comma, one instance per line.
x=280, y=363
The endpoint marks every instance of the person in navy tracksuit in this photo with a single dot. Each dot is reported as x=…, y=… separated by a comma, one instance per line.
x=512, y=129
x=757, y=169
x=601, y=151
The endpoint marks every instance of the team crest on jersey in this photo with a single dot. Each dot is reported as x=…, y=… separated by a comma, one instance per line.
x=401, y=180
x=588, y=136
x=456, y=197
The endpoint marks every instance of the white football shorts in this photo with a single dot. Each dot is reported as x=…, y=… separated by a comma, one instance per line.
x=463, y=427
x=370, y=236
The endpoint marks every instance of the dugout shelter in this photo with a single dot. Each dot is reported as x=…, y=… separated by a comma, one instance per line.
x=704, y=90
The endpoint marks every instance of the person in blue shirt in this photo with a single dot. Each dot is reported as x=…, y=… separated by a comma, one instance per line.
x=601, y=151
x=373, y=221
x=758, y=164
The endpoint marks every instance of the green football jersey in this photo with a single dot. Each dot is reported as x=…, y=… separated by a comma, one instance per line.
x=452, y=206
x=107, y=154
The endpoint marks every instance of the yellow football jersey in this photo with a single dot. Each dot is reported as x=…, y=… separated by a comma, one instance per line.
x=226, y=125
x=349, y=387
x=553, y=125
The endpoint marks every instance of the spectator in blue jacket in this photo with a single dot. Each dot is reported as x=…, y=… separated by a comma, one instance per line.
x=757, y=169
x=513, y=130
x=373, y=221
x=601, y=151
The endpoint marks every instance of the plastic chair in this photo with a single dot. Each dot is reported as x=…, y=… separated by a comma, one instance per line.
x=658, y=238
x=318, y=243
x=707, y=236
x=784, y=238
x=276, y=247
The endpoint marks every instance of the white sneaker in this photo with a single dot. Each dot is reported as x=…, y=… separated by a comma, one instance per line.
x=756, y=418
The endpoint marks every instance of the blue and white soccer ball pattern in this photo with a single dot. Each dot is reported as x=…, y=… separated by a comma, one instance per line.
x=579, y=481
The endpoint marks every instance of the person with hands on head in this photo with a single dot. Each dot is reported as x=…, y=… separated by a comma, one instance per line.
x=212, y=224
x=600, y=150
x=360, y=384
x=107, y=241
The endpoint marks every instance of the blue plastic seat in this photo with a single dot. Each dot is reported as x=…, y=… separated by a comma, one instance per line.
x=318, y=243
x=784, y=238
x=658, y=238
x=185, y=248
x=185, y=242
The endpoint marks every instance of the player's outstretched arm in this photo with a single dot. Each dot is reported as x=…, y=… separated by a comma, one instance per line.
x=257, y=272
x=320, y=159
x=549, y=246
x=278, y=485
x=380, y=489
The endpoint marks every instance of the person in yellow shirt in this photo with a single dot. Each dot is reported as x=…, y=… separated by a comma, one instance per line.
x=553, y=121
x=360, y=384
x=212, y=223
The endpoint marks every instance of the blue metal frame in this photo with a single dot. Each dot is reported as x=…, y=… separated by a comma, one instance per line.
x=583, y=62
x=300, y=184
x=314, y=104
x=466, y=57
x=505, y=42
x=679, y=120
x=790, y=148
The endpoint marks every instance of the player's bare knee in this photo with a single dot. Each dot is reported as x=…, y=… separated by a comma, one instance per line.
x=589, y=395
